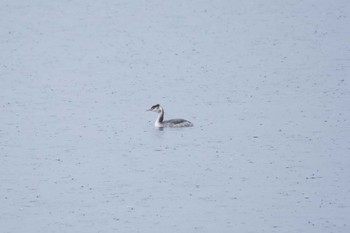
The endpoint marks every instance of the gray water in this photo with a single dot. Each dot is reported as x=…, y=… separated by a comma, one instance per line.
x=265, y=84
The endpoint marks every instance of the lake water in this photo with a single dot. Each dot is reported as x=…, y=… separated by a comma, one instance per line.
x=265, y=84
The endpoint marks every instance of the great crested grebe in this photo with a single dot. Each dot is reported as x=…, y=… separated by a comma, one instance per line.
x=169, y=123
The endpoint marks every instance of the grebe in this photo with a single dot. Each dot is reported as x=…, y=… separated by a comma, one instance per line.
x=169, y=123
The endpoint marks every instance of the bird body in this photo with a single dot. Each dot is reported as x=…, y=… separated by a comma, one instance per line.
x=173, y=123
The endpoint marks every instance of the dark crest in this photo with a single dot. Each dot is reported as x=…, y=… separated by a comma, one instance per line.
x=155, y=106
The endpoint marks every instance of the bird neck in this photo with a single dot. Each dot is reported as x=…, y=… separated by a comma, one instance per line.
x=160, y=115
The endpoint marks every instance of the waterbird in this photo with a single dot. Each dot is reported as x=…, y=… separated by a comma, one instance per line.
x=174, y=123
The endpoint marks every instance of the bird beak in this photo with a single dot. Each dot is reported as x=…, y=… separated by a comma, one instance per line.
x=148, y=110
